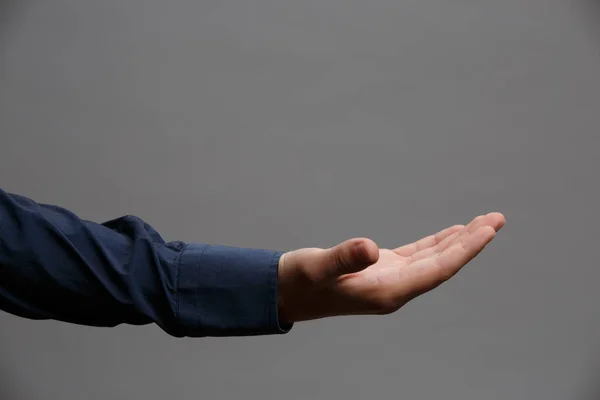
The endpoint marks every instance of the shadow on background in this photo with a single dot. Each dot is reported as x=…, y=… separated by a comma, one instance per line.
x=8, y=7
x=9, y=11
x=590, y=9
x=7, y=389
x=591, y=391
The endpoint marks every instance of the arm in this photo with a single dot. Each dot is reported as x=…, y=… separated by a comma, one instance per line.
x=53, y=265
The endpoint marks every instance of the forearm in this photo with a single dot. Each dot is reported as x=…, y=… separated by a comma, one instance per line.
x=54, y=265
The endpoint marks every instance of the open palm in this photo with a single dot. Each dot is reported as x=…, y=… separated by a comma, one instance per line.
x=347, y=279
x=401, y=274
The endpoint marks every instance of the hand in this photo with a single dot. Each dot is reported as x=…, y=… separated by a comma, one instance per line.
x=356, y=277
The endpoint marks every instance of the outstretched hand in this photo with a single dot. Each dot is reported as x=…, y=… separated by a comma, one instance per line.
x=356, y=277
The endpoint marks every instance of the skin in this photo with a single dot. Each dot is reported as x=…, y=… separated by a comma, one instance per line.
x=356, y=277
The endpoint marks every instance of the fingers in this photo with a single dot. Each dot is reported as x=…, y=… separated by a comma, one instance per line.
x=494, y=220
x=427, y=242
x=431, y=272
x=451, y=260
x=347, y=257
x=438, y=248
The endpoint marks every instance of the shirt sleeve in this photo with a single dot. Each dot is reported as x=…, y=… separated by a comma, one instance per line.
x=54, y=265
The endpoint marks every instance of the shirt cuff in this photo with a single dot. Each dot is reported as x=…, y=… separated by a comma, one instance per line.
x=228, y=291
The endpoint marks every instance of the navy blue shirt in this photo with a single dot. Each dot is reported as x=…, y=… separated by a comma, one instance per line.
x=54, y=265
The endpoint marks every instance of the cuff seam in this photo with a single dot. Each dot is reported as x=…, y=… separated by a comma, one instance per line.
x=177, y=280
x=275, y=292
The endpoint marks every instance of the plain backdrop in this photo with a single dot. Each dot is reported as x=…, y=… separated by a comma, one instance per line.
x=282, y=124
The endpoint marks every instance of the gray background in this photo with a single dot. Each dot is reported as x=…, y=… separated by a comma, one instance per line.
x=284, y=124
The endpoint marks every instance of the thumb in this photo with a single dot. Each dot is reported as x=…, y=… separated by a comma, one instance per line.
x=350, y=256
